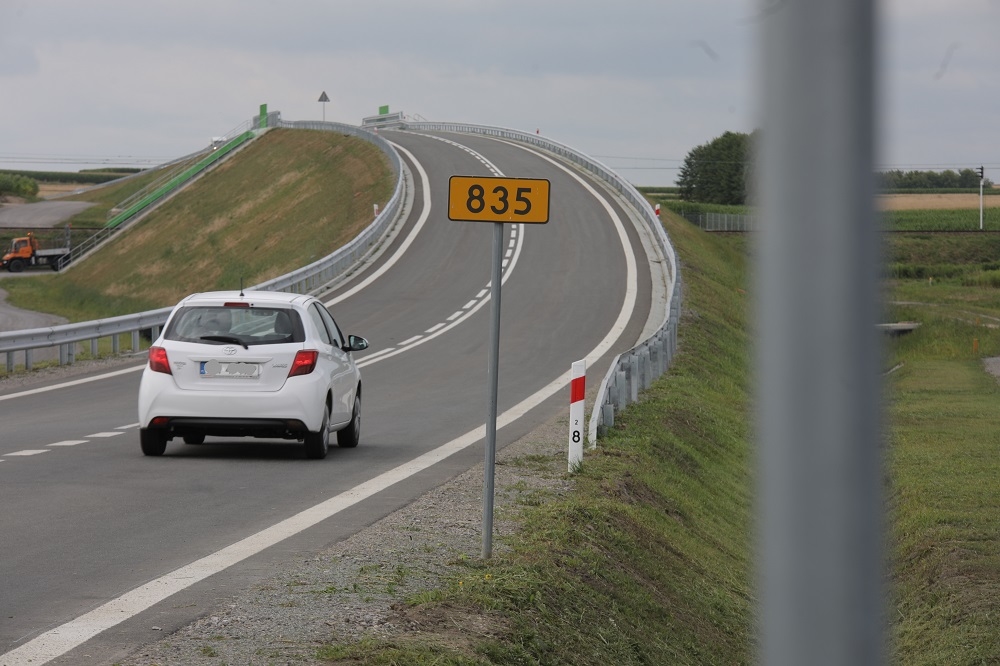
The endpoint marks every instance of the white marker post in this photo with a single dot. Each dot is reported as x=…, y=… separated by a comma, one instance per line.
x=577, y=392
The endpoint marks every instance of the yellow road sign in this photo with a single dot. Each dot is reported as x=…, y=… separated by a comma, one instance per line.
x=488, y=199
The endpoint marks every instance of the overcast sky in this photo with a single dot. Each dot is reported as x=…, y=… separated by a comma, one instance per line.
x=636, y=83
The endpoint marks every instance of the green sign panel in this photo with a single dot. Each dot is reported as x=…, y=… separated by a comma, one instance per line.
x=383, y=110
x=262, y=123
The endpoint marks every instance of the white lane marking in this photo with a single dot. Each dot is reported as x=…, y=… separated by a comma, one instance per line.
x=129, y=426
x=64, y=638
x=410, y=340
x=69, y=442
x=75, y=382
x=434, y=327
x=27, y=452
x=425, y=188
x=106, y=434
x=469, y=304
x=57, y=642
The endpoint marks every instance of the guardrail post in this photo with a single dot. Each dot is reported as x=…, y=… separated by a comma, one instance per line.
x=93, y=347
x=28, y=361
x=135, y=341
x=646, y=368
x=10, y=362
x=115, y=344
x=71, y=353
x=633, y=375
x=608, y=419
x=620, y=398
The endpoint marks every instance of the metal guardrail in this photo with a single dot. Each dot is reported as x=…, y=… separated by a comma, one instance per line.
x=68, y=336
x=630, y=372
x=637, y=368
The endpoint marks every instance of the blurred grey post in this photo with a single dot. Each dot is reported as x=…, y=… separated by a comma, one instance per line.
x=820, y=541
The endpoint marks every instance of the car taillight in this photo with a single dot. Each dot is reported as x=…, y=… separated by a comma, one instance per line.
x=304, y=363
x=158, y=361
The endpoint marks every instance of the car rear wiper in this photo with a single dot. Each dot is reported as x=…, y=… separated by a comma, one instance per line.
x=225, y=338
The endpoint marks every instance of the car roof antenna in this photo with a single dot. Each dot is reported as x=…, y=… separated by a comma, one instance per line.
x=241, y=286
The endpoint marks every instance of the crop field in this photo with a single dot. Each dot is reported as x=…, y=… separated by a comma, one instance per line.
x=893, y=202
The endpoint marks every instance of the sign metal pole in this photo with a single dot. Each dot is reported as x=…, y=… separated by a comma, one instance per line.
x=489, y=467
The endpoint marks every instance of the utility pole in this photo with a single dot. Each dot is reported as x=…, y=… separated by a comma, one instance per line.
x=982, y=173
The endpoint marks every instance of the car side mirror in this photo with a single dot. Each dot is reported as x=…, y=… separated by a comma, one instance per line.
x=355, y=343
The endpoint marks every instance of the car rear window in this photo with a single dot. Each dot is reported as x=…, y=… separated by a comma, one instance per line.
x=247, y=325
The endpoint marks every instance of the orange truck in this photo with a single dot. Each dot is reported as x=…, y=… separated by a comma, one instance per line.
x=28, y=251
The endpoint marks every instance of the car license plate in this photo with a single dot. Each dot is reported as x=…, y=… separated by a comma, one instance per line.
x=230, y=370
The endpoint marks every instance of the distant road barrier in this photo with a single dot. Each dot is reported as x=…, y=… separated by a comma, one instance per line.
x=630, y=372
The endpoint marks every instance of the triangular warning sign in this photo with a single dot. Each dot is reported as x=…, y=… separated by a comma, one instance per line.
x=323, y=97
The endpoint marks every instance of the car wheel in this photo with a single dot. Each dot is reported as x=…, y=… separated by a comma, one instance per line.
x=16, y=266
x=194, y=439
x=318, y=443
x=153, y=442
x=350, y=436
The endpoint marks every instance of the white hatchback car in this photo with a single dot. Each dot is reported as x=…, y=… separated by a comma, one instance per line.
x=251, y=364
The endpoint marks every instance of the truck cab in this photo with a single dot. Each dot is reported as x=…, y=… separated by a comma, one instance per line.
x=26, y=251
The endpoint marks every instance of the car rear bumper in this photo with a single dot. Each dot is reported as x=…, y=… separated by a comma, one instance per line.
x=179, y=426
x=284, y=413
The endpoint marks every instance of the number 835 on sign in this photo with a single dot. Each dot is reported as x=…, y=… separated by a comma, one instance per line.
x=487, y=199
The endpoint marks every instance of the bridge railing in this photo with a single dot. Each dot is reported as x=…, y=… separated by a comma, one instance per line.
x=68, y=337
x=635, y=369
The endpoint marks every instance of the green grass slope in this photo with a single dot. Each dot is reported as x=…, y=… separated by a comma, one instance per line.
x=290, y=198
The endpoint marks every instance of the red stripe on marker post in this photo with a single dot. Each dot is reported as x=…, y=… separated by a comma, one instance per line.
x=577, y=393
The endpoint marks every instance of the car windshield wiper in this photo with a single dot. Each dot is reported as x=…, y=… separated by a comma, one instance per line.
x=225, y=338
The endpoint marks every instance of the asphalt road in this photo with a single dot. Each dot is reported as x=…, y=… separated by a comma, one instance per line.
x=87, y=521
x=40, y=214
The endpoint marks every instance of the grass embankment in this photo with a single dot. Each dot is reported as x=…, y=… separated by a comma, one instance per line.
x=290, y=198
x=647, y=560
x=944, y=462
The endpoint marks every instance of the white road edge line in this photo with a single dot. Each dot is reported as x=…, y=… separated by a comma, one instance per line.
x=75, y=382
x=62, y=639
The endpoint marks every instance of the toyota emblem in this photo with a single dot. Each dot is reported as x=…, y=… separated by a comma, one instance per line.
x=229, y=350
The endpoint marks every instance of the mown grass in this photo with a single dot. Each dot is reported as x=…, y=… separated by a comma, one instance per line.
x=944, y=417
x=648, y=560
x=290, y=198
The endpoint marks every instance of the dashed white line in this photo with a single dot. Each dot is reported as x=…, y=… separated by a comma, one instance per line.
x=27, y=452
x=410, y=340
x=69, y=442
x=469, y=304
x=106, y=434
x=435, y=327
x=455, y=316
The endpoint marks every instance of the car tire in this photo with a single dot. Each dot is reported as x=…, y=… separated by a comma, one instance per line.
x=16, y=265
x=349, y=437
x=194, y=439
x=318, y=443
x=153, y=442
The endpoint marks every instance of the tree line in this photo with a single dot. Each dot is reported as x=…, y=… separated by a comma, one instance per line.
x=721, y=172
